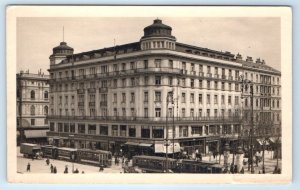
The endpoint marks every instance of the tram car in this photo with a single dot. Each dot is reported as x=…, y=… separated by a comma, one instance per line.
x=94, y=157
x=194, y=166
x=48, y=151
x=63, y=153
x=154, y=164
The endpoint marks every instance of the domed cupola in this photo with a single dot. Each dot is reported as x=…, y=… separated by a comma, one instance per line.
x=60, y=53
x=158, y=36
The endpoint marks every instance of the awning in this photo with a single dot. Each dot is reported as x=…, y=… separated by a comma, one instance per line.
x=160, y=147
x=35, y=133
x=263, y=142
x=131, y=144
x=145, y=145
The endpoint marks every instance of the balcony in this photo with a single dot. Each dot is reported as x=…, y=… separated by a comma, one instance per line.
x=92, y=104
x=104, y=104
x=216, y=76
x=80, y=91
x=193, y=72
x=81, y=77
x=103, y=90
x=92, y=90
x=209, y=75
x=183, y=71
x=230, y=77
x=80, y=104
x=224, y=77
x=201, y=74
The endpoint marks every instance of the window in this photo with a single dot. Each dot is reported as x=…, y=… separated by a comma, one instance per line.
x=145, y=132
x=200, y=112
x=114, y=130
x=46, y=110
x=67, y=100
x=123, y=129
x=81, y=128
x=192, y=112
x=157, y=112
x=157, y=132
x=132, y=65
x=236, y=87
x=208, y=112
x=115, y=67
x=223, y=86
x=132, y=131
x=115, y=98
x=183, y=98
x=208, y=84
x=103, y=130
x=229, y=100
x=123, y=97
x=132, y=98
x=132, y=81
x=146, y=97
x=60, y=127
x=183, y=131
x=73, y=112
x=32, y=110
x=123, y=82
x=200, y=83
x=215, y=112
x=183, y=112
x=145, y=64
x=146, y=112
x=171, y=64
x=192, y=67
x=132, y=112
x=32, y=122
x=183, y=82
x=192, y=83
x=208, y=70
x=200, y=68
x=124, y=112
x=158, y=96
x=115, y=83
x=196, y=130
x=146, y=80
x=236, y=100
x=200, y=98
x=157, y=80
x=52, y=126
x=216, y=99
x=278, y=103
x=229, y=86
x=170, y=81
x=32, y=94
x=66, y=127
x=192, y=98
x=157, y=63
x=46, y=95
x=183, y=65
x=222, y=99
x=207, y=99
x=216, y=85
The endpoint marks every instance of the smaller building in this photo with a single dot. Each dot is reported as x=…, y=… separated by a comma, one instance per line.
x=32, y=107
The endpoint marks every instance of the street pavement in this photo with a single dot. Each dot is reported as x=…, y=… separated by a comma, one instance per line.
x=40, y=166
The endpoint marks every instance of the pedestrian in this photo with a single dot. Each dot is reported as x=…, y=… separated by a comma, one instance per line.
x=263, y=170
x=66, y=170
x=101, y=169
x=82, y=172
x=54, y=170
x=242, y=170
x=28, y=167
x=47, y=161
x=76, y=171
x=51, y=168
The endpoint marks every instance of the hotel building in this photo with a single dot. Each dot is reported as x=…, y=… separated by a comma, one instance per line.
x=114, y=97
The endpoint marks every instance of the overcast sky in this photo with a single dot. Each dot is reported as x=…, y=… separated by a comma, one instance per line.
x=256, y=37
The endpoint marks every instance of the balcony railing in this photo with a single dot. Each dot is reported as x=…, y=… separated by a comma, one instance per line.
x=150, y=119
x=80, y=91
x=103, y=104
x=103, y=90
x=92, y=90
x=92, y=104
x=80, y=103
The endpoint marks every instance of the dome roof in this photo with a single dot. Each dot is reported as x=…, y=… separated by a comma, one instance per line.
x=63, y=49
x=63, y=46
x=158, y=29
x=157, y=23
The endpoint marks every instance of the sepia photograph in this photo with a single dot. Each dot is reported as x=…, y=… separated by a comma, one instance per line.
x=146, y=91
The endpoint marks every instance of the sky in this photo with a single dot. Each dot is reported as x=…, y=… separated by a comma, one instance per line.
x=255, y=37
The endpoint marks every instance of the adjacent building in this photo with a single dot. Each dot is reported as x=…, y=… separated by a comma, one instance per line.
x=158, y=92
x=32, y=107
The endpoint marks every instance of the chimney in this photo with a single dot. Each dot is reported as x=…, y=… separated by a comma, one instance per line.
x=239, y=57
x=258, y=61
x=263, y=62
x=249, y=59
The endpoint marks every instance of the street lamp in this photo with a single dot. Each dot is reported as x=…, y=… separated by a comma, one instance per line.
x=248, y=84
x=169, y=100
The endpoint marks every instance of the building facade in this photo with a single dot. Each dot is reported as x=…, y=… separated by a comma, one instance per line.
x=157, y=93
x=32, y=107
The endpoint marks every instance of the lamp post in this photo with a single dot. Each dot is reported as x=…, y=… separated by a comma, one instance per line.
x=247, y=84
x=169, y=100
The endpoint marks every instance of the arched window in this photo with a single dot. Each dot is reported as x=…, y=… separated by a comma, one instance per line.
x=32, y=110
x=46, y=110
x=32, y=94
x=46, y=95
